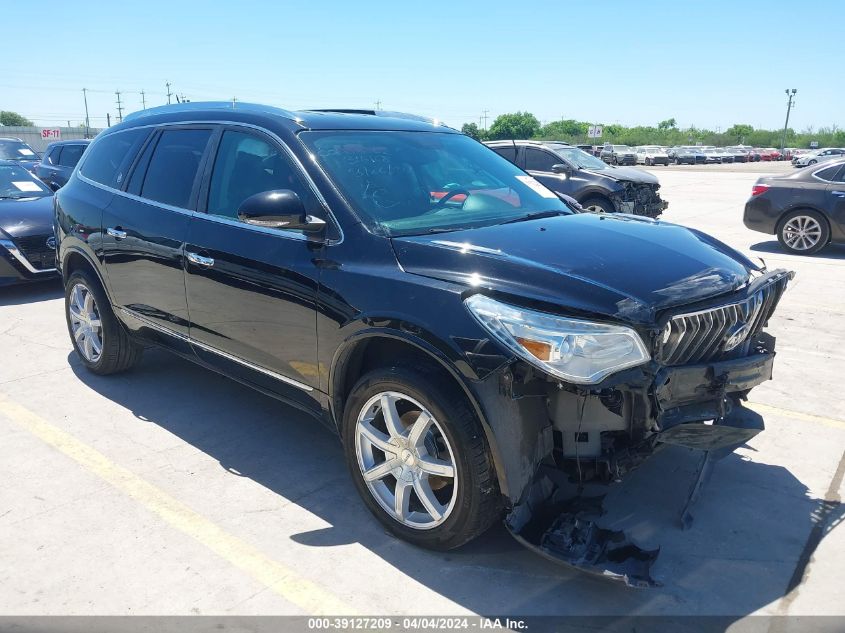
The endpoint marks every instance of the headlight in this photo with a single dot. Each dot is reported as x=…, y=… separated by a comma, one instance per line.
x=580, y=352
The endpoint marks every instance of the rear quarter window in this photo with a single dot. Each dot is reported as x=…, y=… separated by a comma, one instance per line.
x=109, y=158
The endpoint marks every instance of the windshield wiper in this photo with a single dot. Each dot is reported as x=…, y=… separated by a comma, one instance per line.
x=537, y=215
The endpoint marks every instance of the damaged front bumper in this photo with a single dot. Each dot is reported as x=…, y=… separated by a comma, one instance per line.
x=639, y=199
x=588, y=437
x=697, y=407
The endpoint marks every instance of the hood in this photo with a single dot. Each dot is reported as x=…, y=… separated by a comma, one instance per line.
x=629, y=174
x=26, y=216
x=618, y=266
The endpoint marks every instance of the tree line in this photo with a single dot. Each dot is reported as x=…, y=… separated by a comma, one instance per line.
x=524, y=125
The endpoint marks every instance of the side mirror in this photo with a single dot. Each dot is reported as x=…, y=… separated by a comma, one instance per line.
x=278, y=209
x=53, y=185
x=560, y=168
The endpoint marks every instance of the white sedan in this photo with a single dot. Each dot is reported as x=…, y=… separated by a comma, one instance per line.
x=819, y=156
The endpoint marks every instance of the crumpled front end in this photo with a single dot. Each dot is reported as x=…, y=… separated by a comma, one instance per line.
x=705, y=362
x=639, y=198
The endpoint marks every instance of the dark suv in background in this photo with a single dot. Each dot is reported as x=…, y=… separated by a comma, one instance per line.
x=595, y=185
x=618, y=155
x=59, y=160
x=442, y=310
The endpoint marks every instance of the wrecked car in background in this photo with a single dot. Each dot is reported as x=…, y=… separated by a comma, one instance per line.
x=483, y=349
x=596, y=185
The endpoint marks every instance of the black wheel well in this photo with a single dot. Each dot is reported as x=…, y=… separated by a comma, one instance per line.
x=374, y=352
x=76, y=261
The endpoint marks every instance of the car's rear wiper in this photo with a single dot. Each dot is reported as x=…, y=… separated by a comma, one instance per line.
x=538, y=215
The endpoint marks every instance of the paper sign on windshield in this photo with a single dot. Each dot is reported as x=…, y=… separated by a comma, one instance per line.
x=26, y=185
x=537, y=186
x=26, y=152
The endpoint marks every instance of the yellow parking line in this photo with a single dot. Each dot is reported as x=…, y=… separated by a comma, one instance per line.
x=285, y=582
x=796, y=415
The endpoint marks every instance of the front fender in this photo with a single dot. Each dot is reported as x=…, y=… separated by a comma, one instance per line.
x=511, y=427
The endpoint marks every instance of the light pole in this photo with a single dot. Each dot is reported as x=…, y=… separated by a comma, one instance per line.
x=791, y=95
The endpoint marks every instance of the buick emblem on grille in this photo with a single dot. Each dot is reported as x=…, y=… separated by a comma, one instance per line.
x=51, y=242
x=736, y=335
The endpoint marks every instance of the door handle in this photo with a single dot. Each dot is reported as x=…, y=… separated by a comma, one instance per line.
x=841, y=194
x=199, y=260
x=116, y=233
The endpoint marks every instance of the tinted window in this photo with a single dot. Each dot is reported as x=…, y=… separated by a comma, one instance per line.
x=110, y=156
x=828, y=174
x=52, y=158
x=538, y=160
x=506, y=152
x=246, y=165
x=174, y=165
x=71, y=155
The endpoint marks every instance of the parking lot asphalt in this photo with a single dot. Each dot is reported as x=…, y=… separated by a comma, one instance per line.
x=172, y=490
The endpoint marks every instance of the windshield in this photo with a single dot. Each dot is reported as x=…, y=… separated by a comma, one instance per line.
x=16, y=150
x=405, y=183
x=580, y=158
x=17, y=182
x=621, y=148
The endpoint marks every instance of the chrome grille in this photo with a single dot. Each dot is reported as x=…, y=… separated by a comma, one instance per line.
x=702, y=336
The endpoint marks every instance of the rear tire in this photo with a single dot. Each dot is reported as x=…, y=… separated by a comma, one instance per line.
x=99, y=339
x=467, y=502
x=803, y=232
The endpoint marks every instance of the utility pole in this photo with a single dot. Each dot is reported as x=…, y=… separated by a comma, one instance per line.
x=108, y=119
x=378, y=105
x=790, y=95
x=484, y=116
x=119, y=106
x=167, y=83
x=234, y=101
x=143, y=100
x=87, y=122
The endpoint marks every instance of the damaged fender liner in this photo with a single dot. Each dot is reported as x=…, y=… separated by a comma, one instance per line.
x=557, y=517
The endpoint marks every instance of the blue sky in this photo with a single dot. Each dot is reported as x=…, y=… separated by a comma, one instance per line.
x=710, y=63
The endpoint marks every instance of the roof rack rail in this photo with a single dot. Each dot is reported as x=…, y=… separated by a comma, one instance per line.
x=197, y=106
x=385, y=113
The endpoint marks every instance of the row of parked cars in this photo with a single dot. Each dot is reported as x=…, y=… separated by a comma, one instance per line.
x=685, y=154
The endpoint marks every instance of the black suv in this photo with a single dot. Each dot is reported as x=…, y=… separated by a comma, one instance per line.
x=59, y=160
x=478, y=345
x=597, y=186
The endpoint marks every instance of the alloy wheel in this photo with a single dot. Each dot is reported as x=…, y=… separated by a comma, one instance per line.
x=802, y=232
x=85, y=323
x=406, y=460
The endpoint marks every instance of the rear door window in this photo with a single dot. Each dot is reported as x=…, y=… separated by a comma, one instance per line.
x=71, y=155
x=508, y=152
x=110, y=157
x=538, y=160
x=828, y=173
x=173, y=167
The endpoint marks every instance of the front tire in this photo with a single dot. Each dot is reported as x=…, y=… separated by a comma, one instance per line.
x=803, y=232
x=598, y=205
x=99, y=339
x=418, y=457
